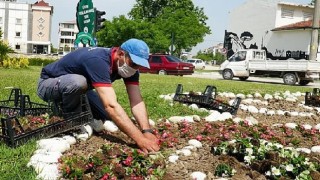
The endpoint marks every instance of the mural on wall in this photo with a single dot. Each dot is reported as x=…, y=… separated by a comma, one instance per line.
x=231, y=39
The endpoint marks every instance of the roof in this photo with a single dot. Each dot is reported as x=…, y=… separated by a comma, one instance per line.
x=41, y=3
x=295, y=26
x=296, y=4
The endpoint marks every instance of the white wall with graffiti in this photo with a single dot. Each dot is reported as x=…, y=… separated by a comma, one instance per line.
x=261, y=17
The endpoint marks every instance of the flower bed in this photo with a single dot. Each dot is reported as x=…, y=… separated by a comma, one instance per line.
x=253, y=145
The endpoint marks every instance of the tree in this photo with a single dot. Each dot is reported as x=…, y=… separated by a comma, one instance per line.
x=190, y=29
x=120, y=29
x=154, y=21
x=4, y=49
x=312, y=2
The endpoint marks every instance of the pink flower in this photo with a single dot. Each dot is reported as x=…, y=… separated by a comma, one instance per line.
x=199, y=138
x=128, y=161
x=105, y=177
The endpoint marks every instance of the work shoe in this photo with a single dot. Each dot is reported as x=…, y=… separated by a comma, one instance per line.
x=97, y=125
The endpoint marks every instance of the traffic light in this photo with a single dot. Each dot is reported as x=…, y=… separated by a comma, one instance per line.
x=99, y=20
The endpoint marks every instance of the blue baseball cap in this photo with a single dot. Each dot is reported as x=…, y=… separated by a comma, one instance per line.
x=138, y=51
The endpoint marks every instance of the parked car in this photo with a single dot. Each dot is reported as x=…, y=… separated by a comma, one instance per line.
x=164, y=64
x=198, y=63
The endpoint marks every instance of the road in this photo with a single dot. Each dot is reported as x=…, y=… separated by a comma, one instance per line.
x=216, y=75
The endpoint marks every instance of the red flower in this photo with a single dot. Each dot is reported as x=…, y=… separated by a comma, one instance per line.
x=105, y=177
x=128, y=161
x=199, y=138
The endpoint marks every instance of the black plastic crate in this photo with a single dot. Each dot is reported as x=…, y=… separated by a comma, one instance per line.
x=313, y=98
x=206, y=100
x=14, y=135
x=20, y=104
x=193, y=97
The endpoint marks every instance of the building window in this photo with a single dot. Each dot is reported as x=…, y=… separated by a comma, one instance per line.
x=287, y=13
x=18, y=34
x=18, y=21
x=17, y=46
x=307, y=16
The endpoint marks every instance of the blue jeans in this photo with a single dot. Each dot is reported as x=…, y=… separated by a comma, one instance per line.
x=67, y=90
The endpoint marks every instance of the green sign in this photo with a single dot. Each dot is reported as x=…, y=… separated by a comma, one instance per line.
x=85, y=16
x=84, y=38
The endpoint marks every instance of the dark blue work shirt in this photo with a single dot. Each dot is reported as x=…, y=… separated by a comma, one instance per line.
x=94, y=63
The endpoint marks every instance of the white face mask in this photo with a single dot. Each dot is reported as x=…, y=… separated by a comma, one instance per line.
x=125, y=70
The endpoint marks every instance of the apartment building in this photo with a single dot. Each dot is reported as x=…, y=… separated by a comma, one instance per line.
x=67, y=35
x=26, y=27
x=267, y=21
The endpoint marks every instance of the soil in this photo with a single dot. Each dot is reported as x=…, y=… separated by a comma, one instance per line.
x=203, y=160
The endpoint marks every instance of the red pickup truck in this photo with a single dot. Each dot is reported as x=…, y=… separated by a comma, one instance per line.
x=164, y=64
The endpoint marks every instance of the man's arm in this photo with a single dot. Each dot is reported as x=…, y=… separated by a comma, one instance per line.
x=138, y=107
x=121, y=119
x=139, y=110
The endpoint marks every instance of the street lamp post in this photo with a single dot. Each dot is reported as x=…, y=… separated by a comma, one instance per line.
x=315, y=28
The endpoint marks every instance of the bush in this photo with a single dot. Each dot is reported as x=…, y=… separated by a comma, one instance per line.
x=40, y=61
x=15, y=62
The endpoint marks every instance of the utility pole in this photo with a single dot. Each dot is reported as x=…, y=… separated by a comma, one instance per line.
x=315, y=31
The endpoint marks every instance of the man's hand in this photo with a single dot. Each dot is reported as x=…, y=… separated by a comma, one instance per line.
x=149, y=143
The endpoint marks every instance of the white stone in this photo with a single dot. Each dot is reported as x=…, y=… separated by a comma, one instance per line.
x=168, y=98
x=53, y=144
x=247, y=101
x=70, y=139
x=253, y=109
x=189, y=147
x=317, y=127
x=280, y=112
x=82, y=137
x=268, y=96
x=203, y=110
x=257, y=95
x=173, y=158
x=196, y=118
x=185, y=152
x=257, y=101
x=242, y=96
x=188, y=119
x=307, y=126
x=251, y=120
x=271, y=113
x=198, y=175
x=151, y=122
x=294, y=113
x=315, y=149
x=195, y=143
x=243, y=107
x=291, y=125
x=249, y=96
x=226, y=115
x=263, y=110
x=176, y=119
x=237, y=119
x=305, y=150
x=290, y=99
x=194, y=106
x=277, y=125
x=49, y=172
x=214, y=116
x=110, y=126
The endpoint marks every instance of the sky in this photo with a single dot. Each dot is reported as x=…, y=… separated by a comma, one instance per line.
x=216, y=10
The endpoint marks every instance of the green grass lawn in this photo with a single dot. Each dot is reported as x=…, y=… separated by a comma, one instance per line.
x=13, y=161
